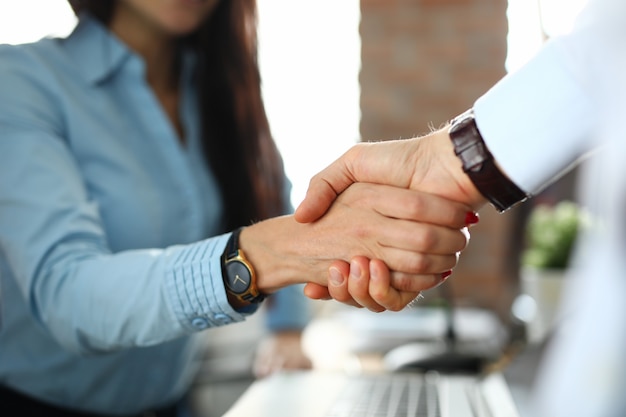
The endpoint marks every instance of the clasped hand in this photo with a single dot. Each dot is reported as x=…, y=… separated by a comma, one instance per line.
x=420, y=237
x=445, y=205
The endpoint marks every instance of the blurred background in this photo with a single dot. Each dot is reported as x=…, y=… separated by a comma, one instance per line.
x=336, y=72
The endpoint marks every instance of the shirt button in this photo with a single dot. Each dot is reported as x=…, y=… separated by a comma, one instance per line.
x=220, y=317
x=199, y=323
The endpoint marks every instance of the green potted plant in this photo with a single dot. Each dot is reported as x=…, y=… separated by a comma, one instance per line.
x=551, y=233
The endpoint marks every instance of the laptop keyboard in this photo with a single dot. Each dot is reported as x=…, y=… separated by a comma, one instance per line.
x=388, y=395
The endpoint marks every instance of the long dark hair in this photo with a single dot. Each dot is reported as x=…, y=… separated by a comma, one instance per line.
x=236, y=136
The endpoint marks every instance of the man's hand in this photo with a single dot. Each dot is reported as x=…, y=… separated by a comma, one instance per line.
x=426, y=164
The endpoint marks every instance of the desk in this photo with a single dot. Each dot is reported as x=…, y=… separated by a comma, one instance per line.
x=360, y=339
x=348, y=339
x=520, y=375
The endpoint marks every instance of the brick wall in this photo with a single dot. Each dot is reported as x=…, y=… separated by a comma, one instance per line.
x=423, y=62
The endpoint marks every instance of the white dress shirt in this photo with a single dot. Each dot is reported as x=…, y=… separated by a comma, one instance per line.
x=568, y=103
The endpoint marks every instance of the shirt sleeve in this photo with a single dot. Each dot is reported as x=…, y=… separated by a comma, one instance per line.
x=539, y=120
x=53, y=243
x=288, y=309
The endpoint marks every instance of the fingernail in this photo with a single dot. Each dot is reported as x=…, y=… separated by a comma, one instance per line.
x=445, y=275
x=374, y=274
x=336, y=278
x=471, y=218
x=355, y=270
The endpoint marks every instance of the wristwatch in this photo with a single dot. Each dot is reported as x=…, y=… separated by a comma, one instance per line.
x=479, y=165
x=238, y=273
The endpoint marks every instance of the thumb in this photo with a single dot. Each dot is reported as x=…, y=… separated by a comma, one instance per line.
x=323, y=189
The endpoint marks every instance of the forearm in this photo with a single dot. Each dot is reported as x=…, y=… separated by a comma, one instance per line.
x=94, y=301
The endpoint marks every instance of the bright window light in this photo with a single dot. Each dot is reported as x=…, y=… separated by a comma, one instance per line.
x=531, y=21
x=26, y=21
x=558, y=16
x=310, y=57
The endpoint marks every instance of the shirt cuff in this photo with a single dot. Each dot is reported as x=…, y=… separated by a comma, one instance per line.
x=537, y=117
x=195, y=287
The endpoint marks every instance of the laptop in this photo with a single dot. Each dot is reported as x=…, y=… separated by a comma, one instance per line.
x=384, y=394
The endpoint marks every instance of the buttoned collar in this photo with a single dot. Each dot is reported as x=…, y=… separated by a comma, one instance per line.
x=99, y=54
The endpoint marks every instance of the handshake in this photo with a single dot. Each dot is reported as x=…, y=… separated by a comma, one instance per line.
x=379, y=225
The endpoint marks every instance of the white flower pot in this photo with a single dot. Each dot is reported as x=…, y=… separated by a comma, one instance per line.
x=544, y=286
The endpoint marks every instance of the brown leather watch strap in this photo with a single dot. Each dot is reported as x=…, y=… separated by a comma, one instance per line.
x=479, y=165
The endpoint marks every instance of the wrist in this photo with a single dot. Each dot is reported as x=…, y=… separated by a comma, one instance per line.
x=453, y=163
x=479, y=165
x=444, y=175
x=271, y=248
x=239, y=275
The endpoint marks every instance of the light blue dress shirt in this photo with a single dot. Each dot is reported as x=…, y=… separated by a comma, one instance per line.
x=105, y=267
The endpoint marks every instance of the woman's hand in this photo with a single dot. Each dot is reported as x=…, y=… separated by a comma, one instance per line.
x=417, y=235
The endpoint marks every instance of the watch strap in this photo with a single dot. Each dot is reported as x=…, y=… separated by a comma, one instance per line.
x=478, y=163
x=232, y=251
x=232, y=247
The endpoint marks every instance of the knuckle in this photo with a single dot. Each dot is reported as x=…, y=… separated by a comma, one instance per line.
x=396, y=307
x=358, y=292
x=339, y=295
x=378, y=294
x=427, y=239
x=404, y=282
x=419, y=263
x=395, y=304
x=417, y=206
x=453, y=216
x=386, y=298
x=412, y=283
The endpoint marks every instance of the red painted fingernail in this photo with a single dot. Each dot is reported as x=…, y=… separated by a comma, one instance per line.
x=471, y=218
x=445, y=275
